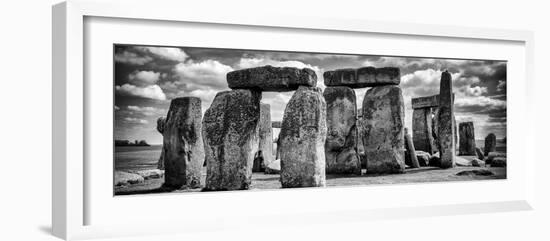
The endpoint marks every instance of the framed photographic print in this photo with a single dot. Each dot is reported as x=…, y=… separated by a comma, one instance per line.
x=202, y=121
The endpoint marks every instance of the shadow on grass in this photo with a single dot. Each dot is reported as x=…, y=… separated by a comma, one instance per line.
x=148, y=191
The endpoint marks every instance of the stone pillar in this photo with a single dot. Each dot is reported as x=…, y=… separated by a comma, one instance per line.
x=383, y=122
x=302, y=139
x=446, y=130
x=490, y=144
x=340, y=146
x=265, y=148
x=182, y=144
x=422, y=130
x=410, y=155
x=160, y=129
x=230, y=131
x=467, y=145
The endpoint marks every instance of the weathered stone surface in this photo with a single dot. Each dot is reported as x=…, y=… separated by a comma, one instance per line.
x=273, y=167
x=382, y=129
x=467, y=145
x=492, y=155
x=479, y=153
x=302, y=139
x=126, y=178
x=498, y=162
x=425, y=102
x=462, y=162
x=269, y=78
x=341, y=142
x=423, y=158
x=182, y=143
x=160, y=129
x=230, y=130
x=363, y=77
x=276, y=124
x=410, y=152
x=446, y=130
x=149, y=174
x=435, y=160
x=265, y=148
x=478, y=163
x=422, y=130
x=490, y=144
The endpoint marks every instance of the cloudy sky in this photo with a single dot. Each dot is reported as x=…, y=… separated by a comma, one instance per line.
x=147, y=78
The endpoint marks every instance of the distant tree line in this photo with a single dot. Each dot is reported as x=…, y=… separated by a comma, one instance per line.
x=129, y=143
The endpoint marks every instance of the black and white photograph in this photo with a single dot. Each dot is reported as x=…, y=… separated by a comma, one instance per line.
x=189, y=119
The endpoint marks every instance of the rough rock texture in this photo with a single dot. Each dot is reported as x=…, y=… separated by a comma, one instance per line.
x=498, y=162
x=382, y=129
x=269, y=78
x=149, y=174
x=422, y=130
x=340, y=146
x=230, y=130
x=490, y=144
x=182, y=143
x=492, y=155
x=160, y=129
x=302, y=139
x=423, y=158
x=478, y=163
x=446, y=130
x=410, y=153
x=467, y=145
x=479, y=153
x=265, y=147
x=425, y=102
x=462, y=162
x=126, y=178
x=363, y=77
x=273, y=167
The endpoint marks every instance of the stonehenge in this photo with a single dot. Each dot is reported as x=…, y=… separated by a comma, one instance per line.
x=423, y=136
x=265, y=133
x=160, y=129
x=230, y=133
x=382, y=127
x=268, y=78
x=302, y=139
x=341, y=143
x=322, y=131
x=490, y=144
x=446, y=123
x=467, y=145
x=182, y=143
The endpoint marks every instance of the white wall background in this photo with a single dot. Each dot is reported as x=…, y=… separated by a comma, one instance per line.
x=25, y=122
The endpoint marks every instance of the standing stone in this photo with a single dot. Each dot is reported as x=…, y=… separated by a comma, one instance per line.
x=410, y=158
x=422, y=130
x=490, y=144
x=467, y=143
x=446, y=130
x=479, y=154
x=269, y=78
x=230, y=130
x=160, y=129
x=302, y=139
x=341, y=142
x=183, y=146
x=265, y=148
x=382, y=123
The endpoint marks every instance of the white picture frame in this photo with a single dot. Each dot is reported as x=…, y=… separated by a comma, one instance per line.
x=72, y=193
